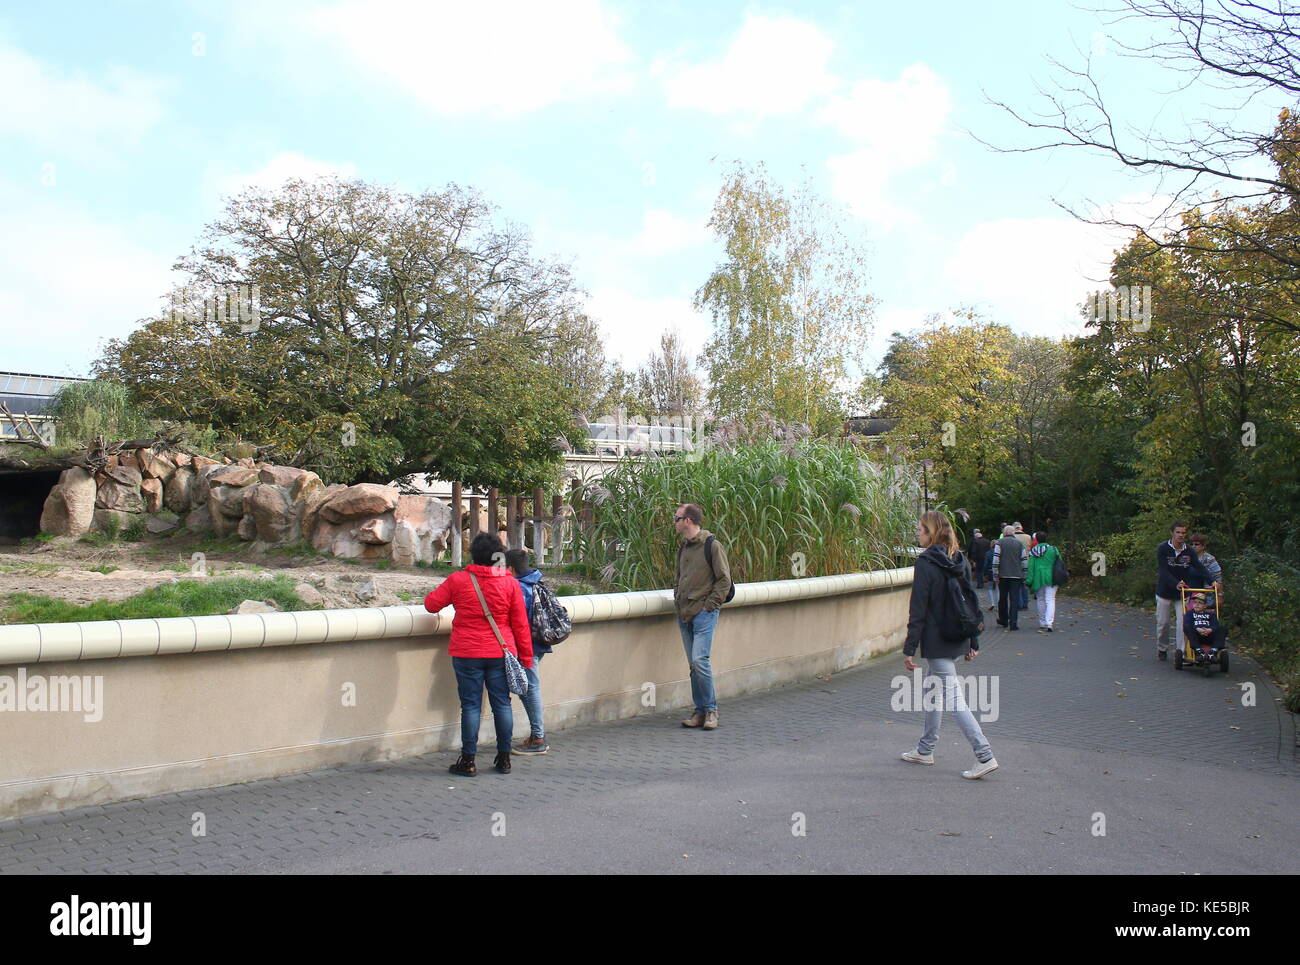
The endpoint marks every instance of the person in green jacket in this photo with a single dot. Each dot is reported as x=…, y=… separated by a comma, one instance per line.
x=1042, y=563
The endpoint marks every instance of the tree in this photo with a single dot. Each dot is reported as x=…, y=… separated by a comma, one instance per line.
x=668, y=382
x=397, y=334
x=1245, y=49
x=789, y=304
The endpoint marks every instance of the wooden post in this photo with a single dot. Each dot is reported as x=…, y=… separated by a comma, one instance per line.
x=474, y=510
x=557, y=529
x=512, y=515
x=493, y=501
x=539, y=547
x=455, y=525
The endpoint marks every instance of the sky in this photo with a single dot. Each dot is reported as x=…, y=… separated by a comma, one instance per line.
x=603, y=127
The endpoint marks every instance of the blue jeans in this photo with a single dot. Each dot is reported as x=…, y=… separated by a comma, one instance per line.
x=533, y=699
x=697, y=638
x=951, y=698
x=1024, y=596
x=472, y=673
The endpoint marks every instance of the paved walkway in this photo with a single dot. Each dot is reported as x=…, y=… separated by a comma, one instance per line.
x=1091, y=728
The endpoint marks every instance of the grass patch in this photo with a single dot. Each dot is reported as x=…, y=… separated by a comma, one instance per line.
x=30, y=569
x=568, y=589
x=405, y=595
x=383, y=564
x=104, y=568
x=187, y=598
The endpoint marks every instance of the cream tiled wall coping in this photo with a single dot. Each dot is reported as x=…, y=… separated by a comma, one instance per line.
x=48, y=642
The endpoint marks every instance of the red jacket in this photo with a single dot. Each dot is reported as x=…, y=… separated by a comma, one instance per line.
x=471, y=635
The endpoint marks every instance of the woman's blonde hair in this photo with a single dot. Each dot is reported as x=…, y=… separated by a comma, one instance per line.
x=940, y=530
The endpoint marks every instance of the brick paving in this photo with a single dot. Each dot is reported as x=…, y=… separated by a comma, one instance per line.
x=1094, y=685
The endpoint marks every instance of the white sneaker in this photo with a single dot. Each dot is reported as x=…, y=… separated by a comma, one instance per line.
x=912, y=757
x=979, y=770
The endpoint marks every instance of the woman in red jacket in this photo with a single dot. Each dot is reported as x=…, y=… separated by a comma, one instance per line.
x=476, y=654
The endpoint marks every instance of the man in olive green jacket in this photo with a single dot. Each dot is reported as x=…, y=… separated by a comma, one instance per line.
x=698, y=593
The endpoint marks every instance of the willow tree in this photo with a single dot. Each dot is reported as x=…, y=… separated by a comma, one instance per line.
x=789, y=304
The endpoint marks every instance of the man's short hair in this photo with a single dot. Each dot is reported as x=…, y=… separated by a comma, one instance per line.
x=1040, y=537
x=1178, y=525
x=693, y=513
x=1017, y=525
x=517, y=559
x=1008, y=530
x=978, y=533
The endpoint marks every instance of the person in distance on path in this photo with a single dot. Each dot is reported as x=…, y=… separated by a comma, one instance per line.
x=1010, y=559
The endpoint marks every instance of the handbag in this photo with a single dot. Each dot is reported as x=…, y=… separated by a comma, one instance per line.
x=516, y=678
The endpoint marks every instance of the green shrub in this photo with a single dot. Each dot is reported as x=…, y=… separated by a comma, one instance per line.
x=1259, y=608
x=383, y=564
x=134, y=531
x=568, y=589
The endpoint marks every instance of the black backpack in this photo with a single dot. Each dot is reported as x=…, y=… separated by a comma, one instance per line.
x=708, y=558
x=959, y=616
x=551, y=622
x=1060, y=575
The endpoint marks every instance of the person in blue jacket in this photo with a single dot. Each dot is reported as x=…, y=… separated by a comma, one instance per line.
x=529, y=577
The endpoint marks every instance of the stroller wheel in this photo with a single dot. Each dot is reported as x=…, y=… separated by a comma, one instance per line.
x=1223, y=660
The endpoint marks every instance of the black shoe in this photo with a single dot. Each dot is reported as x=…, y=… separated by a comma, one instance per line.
x=1001, y=624
x=502, y=762
x=1162, y=654
x=1013, y=628
x=464, y=766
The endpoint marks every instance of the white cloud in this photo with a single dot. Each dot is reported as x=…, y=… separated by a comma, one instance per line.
x=1032, y=273
x=775, y=65
x=68, y=280
x=60, y=111
x=504, y=58
x=663, y=232
x=633, y=324
x=897, y=126
x=280, y=168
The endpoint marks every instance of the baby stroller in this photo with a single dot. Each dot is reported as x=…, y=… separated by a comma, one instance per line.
x=1206, y=652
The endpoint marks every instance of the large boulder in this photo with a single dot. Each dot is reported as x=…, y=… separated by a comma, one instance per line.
x=430, y=521
x=155, y=465
x=106, y=519
x=162, y=523
x=120, y=491
x=203, y=462
x=273, y=512
x=247, y=529
x=226, y=501
x=311, y=509
x=376, y=532
x=234, y=476
x=152, y=491
x=180, y=491
x=363, y=499
x=199, y=520
x=70, y=507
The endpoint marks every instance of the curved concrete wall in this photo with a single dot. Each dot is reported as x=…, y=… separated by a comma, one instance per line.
x=98, y=712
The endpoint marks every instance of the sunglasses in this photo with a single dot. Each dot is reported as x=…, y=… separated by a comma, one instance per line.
x=678, y=519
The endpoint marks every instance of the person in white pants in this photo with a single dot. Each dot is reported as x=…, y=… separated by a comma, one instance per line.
x=1041, y=579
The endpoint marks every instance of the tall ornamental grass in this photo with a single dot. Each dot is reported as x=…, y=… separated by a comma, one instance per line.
x=765, y=500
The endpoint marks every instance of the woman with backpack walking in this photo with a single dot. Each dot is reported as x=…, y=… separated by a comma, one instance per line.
x=490, y=622
x=943, y=624
x=1043, y=579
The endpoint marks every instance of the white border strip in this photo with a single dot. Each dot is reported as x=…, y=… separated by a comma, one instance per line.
x=47, y=642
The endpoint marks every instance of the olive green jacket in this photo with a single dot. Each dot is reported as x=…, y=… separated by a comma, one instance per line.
x=696, y=587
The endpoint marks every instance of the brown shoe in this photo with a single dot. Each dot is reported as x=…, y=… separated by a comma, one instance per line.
x=695, y=720
x=711, y=720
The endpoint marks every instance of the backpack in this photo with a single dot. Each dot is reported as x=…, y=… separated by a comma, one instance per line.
x=708, y=558
x=550, y=622
x=1060, y=575
x=959, y=615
